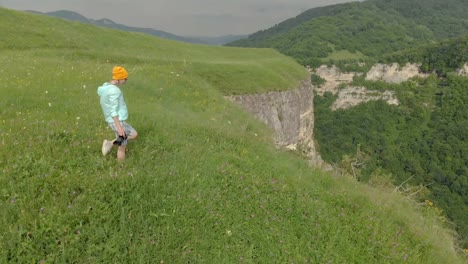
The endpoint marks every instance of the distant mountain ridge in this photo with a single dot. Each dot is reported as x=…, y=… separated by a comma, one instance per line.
x=105, y=22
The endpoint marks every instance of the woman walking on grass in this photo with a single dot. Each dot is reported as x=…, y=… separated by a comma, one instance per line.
x=116, y=113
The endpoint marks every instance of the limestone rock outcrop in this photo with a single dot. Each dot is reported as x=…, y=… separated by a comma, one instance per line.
x=463, y=71
x=289, y=113
x=352, y=96
x=333, y=77
x=393, y=73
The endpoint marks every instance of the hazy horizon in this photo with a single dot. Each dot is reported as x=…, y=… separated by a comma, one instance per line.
x=182, y=17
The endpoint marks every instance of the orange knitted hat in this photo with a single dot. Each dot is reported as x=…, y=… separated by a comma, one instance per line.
x=119, y=73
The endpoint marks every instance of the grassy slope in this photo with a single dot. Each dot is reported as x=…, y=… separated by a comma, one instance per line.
x=203, y=183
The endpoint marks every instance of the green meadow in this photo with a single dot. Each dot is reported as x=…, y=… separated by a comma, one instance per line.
x=203, y=183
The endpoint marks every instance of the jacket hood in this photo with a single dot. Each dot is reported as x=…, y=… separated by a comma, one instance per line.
x=102, y=88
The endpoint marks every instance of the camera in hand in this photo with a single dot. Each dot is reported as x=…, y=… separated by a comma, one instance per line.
x=120, y=140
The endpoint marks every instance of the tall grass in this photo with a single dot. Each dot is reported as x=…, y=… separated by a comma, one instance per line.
x=202, y=183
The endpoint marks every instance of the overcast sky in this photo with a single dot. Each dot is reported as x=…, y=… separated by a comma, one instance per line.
x=182, y=17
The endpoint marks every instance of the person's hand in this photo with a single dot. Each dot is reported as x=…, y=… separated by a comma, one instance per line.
x=121, y=132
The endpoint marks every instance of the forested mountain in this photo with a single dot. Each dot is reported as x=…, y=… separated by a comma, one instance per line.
x=423, y=141
x=362, y=30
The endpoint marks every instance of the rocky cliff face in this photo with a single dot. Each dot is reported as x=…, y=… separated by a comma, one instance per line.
x=393, y=73
x=463, y=71
x=333, y=77
x=352, y=96
x=289, y=113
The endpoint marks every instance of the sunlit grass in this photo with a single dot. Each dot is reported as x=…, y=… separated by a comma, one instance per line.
x=202, y=184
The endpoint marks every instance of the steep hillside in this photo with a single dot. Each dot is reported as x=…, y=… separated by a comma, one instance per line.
x=203, y=183
x=362, y=30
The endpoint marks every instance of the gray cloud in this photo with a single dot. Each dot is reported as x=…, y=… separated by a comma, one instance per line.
x=182, y=17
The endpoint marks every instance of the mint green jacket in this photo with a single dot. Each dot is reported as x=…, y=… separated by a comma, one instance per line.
x=112, y=102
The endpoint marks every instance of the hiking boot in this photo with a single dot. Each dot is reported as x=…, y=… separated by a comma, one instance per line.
x=106, y=147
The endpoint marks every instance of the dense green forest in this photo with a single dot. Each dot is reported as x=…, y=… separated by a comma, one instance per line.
x=443, y=57
x=364, y=30
x=423, y=142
